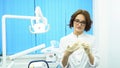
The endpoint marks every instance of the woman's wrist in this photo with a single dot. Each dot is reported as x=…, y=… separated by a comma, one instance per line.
x=89, y=53
x=67, y=53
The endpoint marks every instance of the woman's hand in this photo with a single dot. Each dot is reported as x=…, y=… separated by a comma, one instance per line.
x=86, y=48
x=74, y=47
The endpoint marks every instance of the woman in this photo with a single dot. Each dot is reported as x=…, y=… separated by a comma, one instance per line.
x=79, y=49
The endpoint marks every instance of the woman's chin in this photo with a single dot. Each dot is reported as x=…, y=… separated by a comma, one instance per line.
x=79, y=30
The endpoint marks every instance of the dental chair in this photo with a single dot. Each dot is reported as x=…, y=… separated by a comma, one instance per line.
x=38, y=64
x=52, y=55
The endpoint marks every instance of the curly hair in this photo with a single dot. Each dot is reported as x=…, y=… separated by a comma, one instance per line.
x=87, y=18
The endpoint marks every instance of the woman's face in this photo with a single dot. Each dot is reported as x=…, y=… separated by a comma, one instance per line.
x=79, y=24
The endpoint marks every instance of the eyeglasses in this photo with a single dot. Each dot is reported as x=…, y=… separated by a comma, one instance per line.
x=77, y=21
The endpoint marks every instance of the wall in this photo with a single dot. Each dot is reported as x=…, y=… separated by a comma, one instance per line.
x=107, y=23
x=114, y=34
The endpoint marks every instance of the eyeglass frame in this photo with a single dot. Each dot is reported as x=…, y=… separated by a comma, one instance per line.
x=80, y=22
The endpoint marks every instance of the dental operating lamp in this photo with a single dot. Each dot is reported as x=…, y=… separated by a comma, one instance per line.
x=35, y=28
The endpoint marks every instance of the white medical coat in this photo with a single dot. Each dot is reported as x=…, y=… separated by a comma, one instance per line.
x=79, y=58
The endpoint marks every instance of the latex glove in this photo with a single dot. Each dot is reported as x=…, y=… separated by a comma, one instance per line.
x=74, y=47
x=86, y=48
